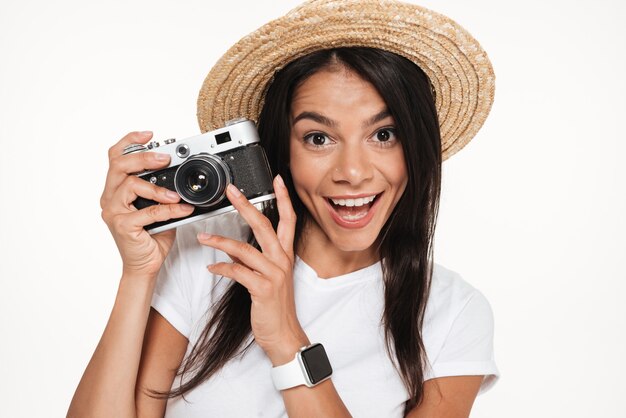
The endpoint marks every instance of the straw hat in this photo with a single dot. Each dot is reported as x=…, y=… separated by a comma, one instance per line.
x=458, y=68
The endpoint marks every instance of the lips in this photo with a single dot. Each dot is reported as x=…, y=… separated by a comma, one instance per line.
x=353, y=212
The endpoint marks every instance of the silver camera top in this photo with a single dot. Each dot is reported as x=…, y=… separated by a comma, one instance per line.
x=237, y=133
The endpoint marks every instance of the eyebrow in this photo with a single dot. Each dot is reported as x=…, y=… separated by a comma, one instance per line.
x=315, y=117
x=377, y=118
x=319, y=118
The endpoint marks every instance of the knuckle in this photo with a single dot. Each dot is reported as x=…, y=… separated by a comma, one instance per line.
x=105, y=215
x=154, y=211
x=133, y=182
x=125, y=185
x=172, y=209
x=264, y=224
x=112, y=151
x=115, y=164
x=245, y=248
x=117, y=223
x=238, y=268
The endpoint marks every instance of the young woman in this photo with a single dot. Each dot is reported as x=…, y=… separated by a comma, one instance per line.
x=343, y=258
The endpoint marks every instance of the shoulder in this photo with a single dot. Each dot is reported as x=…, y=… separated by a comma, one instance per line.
x=458, y=327
x=452, y=299
x=449, y=291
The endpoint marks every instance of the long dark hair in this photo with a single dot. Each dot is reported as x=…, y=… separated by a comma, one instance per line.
x=405, y=240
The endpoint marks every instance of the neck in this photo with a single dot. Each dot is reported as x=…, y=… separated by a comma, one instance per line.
x=318, y=252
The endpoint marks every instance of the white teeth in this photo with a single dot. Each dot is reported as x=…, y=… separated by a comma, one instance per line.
x=354, y=202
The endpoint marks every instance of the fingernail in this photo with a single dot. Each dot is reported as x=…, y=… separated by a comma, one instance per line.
x=161, y=157
x=145, y=133
x=186, y=207
x=204, y=236
x=171, y=195
x=235, y=191
x=281, y=183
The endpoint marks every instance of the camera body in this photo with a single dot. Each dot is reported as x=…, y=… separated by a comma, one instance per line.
x=201, y=168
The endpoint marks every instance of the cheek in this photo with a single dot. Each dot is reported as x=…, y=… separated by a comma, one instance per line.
x=396, y=176
x=398, y=184
x=303, y=174
x=401, y=177
x=394, y=170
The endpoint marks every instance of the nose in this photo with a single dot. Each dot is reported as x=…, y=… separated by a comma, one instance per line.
x=352, y=164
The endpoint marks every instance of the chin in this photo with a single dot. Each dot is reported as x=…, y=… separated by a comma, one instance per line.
x=353, y=242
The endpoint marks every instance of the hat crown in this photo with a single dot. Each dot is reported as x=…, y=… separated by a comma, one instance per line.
x=458, y=68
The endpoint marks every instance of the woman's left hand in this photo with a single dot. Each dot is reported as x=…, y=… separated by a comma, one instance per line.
x=267, y=274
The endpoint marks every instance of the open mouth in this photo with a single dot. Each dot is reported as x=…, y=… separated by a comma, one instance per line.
x=352, y=210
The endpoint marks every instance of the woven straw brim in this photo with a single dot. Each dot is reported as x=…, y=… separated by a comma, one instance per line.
x=458, y=68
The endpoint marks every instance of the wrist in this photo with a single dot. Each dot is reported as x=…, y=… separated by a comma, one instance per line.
x=135, y=292
x=287, y=350
x=138, y=284
x=138, y=277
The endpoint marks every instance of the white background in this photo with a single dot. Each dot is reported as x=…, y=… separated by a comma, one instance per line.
x=532, y=209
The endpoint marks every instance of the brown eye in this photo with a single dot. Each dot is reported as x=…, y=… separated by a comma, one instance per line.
x=383, y=135
x=318, y=139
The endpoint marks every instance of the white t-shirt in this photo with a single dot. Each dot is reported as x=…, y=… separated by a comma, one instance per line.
x=343, y=313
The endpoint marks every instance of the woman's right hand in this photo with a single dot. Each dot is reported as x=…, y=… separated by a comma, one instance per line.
x=142, y=253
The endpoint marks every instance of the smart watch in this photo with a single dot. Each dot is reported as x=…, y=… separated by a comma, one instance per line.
x=310, y=367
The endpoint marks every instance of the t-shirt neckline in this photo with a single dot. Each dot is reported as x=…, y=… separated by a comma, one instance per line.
x=304, y=272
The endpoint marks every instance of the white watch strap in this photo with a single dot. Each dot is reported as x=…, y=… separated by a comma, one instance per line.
x=289, y=375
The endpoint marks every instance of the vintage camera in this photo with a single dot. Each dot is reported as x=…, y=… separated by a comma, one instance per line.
x=202, y=166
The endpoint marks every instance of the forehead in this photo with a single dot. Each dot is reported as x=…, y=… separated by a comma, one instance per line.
x=336, y=88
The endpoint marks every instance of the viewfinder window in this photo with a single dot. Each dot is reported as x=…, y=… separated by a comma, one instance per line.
x=222, y=138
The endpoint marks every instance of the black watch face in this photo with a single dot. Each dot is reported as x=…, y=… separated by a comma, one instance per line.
x=317, y=364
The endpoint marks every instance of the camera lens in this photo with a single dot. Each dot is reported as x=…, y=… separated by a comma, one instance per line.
x=197, y=181
x=202, y=180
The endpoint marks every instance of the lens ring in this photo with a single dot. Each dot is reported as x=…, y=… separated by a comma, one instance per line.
x=202, y=180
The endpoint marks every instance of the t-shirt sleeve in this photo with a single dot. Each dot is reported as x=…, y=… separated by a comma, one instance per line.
x=468, y=347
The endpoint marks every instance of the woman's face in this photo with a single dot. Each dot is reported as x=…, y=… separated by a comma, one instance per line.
x=346, y=161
